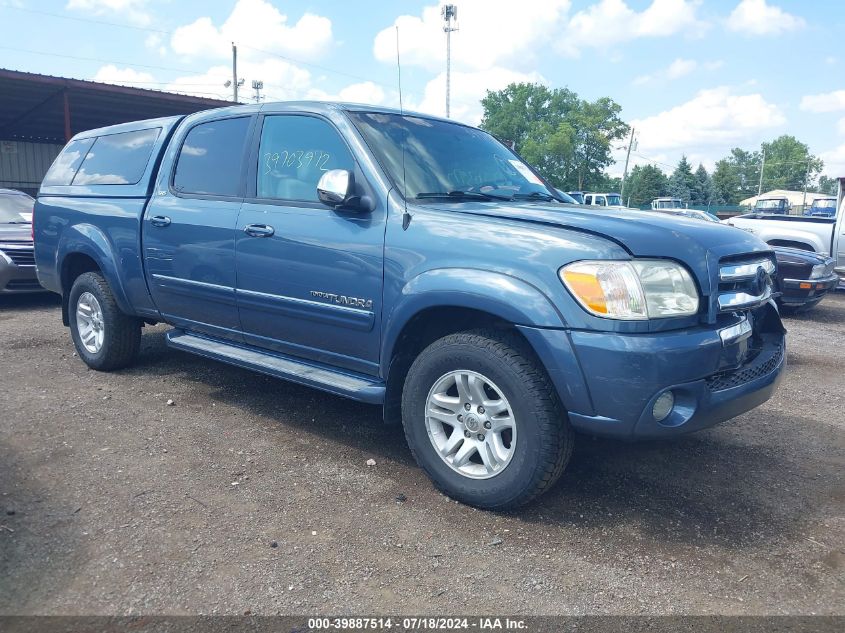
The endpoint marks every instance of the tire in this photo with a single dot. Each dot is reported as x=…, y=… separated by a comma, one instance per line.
x=117, y=338
x=536, y=448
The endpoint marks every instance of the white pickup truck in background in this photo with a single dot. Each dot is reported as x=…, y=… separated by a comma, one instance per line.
x=821, y=235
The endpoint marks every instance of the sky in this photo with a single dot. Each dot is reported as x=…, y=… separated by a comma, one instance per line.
x=693, y=77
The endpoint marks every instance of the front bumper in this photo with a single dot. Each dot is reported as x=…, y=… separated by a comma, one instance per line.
x=609, y=382
x=15, y=278
x=796, y=292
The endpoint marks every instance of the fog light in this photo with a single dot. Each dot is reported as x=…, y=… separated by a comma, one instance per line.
x=663, y=406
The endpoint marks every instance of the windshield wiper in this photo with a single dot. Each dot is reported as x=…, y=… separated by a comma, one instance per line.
x=536, y=195
x=17, y=222
x=462, y=195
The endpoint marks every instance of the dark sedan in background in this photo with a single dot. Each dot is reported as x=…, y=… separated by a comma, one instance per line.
x=17, y=263
x=804, y=277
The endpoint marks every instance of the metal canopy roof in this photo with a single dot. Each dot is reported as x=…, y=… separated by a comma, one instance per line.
x=43, y=108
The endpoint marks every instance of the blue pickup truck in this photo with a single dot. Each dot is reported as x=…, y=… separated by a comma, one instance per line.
x=415, y=263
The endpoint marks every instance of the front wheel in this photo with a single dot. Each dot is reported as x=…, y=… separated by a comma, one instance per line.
x=104, y=337
x=483, y=421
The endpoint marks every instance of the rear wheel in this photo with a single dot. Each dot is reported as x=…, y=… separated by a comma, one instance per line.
x=483, y=421
x=104, y=337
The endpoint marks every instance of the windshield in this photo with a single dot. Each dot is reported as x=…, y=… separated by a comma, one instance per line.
x=15, y=209
x=614, y=200
x=769, y=204
x=824, y=204
x=443, y=158
x=670, y=204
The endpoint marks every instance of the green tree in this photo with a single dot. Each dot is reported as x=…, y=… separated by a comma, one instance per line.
x=828, y=185
x=644, y=184
x=682, y=182
x=789, y=165
x=704, y=192
x=736, y=176
x=566, y=138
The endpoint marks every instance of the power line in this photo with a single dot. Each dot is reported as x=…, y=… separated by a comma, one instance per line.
x=292, y=60
x=101, y=60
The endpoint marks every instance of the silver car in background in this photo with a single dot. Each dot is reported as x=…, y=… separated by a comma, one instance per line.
x=17, y=262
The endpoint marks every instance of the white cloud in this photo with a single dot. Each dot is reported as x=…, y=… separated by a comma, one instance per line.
x=840, y=126
x=756, y=17
x=468, y=88
x=363, y=92
x=611, y=22
x=680, y=68
x=135, y=10
x=282, y=81
x=111, y=74
x=824, y=102
x=834, y=161
x=259, y=25
x=155, y=42
x=713, y=118
x=491, y=33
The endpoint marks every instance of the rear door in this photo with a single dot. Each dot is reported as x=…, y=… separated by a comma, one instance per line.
x=189, y=225
x=309, y=277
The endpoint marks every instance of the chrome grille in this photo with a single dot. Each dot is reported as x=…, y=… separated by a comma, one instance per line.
x=745, y=282
x=20, y=254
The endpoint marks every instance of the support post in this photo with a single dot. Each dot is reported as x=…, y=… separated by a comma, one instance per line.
x=66, y=103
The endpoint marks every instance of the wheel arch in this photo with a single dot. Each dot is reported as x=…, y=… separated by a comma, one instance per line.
x=446, y=301
x=85, y=248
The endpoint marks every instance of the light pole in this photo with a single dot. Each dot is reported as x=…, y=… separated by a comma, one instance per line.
x=257, y=85
x=449, y=13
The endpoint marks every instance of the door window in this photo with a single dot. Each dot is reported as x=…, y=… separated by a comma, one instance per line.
x=211, y=158
x=295, y=151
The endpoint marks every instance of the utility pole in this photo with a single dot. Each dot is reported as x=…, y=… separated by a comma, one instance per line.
x=806, y=178
x=234, y=73
x=762, y=167
x=449, y=13
x=627, y=158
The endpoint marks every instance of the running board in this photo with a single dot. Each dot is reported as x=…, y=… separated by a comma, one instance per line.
x=355, y=386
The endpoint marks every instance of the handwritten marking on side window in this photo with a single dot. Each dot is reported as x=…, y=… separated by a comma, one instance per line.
x=299, y=158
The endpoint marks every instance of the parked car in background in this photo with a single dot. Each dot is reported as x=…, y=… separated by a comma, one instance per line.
x=777, y=206
x=577, y=195
x=610, y=200
x=690, y=213
x=659, y=204
x=17, y=263
x=566, y=197
x=810, y=233
x=804, y=278
x=822, y=207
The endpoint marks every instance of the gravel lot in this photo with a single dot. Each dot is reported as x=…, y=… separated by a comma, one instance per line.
x=248, y=493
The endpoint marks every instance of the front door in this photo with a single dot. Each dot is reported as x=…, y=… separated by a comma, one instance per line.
x=189, y=230
x=309, y=277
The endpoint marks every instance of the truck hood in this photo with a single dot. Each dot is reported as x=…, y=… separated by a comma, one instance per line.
x=696, y=243
x=15, y=233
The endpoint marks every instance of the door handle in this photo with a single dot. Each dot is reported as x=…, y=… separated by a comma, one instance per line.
x=259, y=230
x=160, y=220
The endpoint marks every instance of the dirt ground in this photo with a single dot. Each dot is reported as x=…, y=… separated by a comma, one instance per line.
x=248, y=493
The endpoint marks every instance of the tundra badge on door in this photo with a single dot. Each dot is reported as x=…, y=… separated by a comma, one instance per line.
x=343, y=300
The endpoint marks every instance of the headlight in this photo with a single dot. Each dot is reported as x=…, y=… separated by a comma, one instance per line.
x=818, y=271
x=632, y=290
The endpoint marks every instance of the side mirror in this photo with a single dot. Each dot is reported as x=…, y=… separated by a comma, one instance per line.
x=335, y=187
